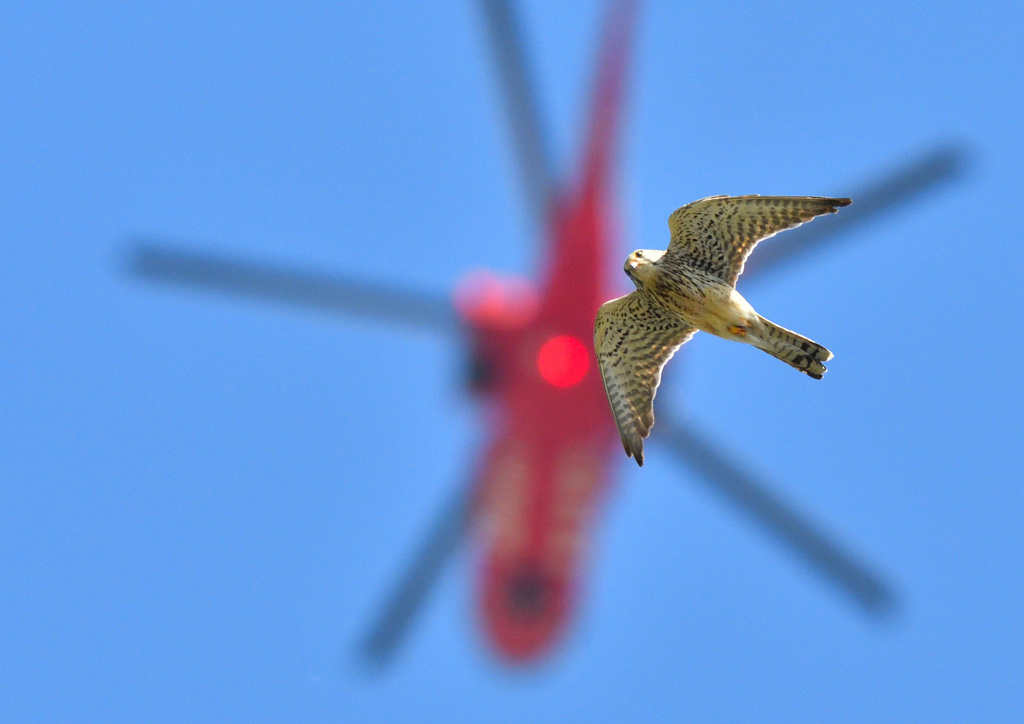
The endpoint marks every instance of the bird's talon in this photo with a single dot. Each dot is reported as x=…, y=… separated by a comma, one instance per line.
x=738, y=331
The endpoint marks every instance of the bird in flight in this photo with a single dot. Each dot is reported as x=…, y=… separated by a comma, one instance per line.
x=691, y=286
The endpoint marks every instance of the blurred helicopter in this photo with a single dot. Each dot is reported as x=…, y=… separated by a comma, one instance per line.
x=553, y=443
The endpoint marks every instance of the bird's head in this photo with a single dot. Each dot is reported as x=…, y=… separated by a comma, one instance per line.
x=638, y=265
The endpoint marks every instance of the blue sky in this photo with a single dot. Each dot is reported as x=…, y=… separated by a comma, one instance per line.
x=203, y=500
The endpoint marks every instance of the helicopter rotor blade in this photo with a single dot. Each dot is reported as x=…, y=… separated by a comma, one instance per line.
x=751, y=496
x=521, y=105
x=309, y=289
x=420, y=578
x=932, y=169
x=609, y=90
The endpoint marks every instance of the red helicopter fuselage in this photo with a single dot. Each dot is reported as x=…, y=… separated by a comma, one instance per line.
x=553, y=442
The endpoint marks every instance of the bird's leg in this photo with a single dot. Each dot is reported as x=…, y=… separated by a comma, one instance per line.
x=738, y=330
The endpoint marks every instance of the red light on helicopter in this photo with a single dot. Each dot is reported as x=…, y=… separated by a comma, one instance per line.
x=563, y=361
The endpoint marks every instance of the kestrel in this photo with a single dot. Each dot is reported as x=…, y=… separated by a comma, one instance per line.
x=692, y=286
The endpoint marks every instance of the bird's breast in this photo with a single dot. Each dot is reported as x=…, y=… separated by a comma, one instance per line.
x=684, y=291
x=708, y=304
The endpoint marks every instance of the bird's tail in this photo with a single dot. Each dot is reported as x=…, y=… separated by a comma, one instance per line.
x=794, y=350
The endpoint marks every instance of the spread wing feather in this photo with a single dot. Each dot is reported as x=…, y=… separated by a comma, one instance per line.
x=634, y=339
x=718, y=233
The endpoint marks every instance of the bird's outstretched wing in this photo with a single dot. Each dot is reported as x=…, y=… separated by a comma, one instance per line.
x=634, y=339
x=718, y=233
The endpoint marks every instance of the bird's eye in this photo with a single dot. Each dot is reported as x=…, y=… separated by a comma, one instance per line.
x=639, y=255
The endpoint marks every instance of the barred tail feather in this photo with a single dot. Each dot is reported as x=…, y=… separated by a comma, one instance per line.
x=793, y=349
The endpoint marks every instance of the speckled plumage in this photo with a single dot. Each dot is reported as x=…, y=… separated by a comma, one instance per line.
x=689, y=287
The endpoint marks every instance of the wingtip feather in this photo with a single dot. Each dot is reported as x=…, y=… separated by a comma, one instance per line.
x=634, y=451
